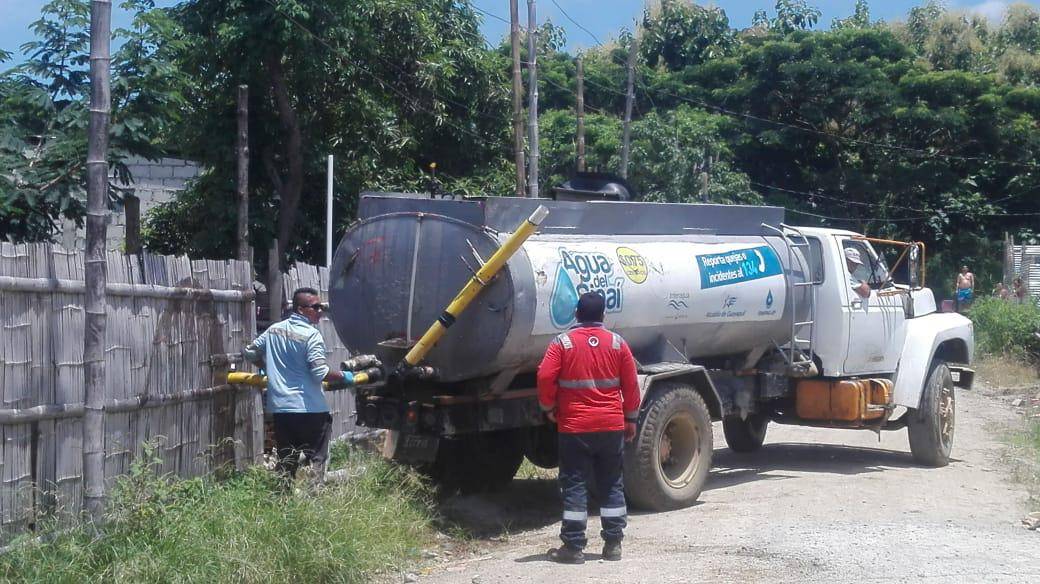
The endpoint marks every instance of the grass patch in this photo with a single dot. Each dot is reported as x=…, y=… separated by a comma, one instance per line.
x=1005, y=373
x=1006, y=328
x=532, y=472
x=245, y=528
x=1025, y=445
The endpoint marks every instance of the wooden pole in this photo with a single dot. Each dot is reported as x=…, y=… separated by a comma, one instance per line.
x=132, y=212
x=274, y=282
x=532, y=107
x=242, y=180
x=518, y=100
x=581, y=114
x=95, y=268
x=630, y=96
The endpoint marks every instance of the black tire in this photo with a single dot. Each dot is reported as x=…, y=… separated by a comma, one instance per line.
x=675, y=426
x=745, y=435
x=478, y=463
x=931, y=425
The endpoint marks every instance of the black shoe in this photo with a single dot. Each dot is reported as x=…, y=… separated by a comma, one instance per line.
x=612, y=551
x=566, y=555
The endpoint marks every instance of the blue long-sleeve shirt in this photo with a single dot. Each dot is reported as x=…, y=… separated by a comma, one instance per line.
x=294, y=358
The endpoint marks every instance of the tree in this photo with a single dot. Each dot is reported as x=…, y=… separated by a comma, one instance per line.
x=44, y=111
x=387, y=87
x=860, y=18
x=678, y=33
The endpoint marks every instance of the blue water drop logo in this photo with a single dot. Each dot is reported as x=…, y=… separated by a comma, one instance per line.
x=564, y=300
x=769, y=299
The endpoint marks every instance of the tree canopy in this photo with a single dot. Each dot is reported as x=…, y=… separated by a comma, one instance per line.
x=924, y=128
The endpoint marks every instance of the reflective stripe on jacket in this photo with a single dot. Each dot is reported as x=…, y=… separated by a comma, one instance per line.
x=588, y=375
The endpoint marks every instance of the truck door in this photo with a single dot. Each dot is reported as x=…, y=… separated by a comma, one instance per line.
x=876, y=322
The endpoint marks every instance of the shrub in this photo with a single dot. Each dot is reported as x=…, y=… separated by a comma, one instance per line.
x=247, y=528
x=1006, y=328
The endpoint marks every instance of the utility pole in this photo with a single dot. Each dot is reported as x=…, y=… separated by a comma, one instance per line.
x=630, y=96
x=242, y=180
x=532, y=107
x=95, y=268
x=518, y=100
x=581, y=114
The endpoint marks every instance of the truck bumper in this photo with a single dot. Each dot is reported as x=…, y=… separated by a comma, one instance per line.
x=451, y=415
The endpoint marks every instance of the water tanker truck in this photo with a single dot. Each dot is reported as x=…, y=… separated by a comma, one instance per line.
x=732, y=315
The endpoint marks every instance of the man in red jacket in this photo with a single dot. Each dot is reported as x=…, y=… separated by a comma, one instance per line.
x=587, y=385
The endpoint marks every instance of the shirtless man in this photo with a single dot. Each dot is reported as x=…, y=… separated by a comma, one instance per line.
x=965, y=289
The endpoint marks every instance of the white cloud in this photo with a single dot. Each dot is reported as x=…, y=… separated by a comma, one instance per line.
x=991, y=10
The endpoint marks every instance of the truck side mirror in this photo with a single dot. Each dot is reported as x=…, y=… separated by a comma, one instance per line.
x=914, y=266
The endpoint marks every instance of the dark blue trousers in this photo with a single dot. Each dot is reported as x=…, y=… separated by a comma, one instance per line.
x=592, y=457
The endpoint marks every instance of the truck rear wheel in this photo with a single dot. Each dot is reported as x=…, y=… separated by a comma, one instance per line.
x=668, y=462
x=477, y=463
x=542, y=447
x=745, y=435
x=931, y=425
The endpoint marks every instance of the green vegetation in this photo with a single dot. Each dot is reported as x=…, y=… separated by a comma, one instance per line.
x=1006, y=328
x=246, y=528
x=922, y=129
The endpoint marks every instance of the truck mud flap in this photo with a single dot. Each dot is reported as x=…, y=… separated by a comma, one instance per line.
x=410, y=448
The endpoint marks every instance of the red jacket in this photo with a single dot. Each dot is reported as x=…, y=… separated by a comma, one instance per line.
x=588, y=375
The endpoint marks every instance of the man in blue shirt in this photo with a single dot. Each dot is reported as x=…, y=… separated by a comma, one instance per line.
x=292, y=352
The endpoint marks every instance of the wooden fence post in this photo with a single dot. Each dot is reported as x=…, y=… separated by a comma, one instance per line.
x=242, y=182
x=132, y=211
x=95, y=262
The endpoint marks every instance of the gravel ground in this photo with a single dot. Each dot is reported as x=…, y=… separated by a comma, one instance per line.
x=814, y=505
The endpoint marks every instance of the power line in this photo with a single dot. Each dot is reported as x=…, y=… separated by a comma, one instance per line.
x=927, y=213
x=838, y=199
x=491, y=14
x=856, y=220
x=577, y=24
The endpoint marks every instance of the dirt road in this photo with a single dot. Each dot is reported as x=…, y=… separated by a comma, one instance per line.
x=813, y=505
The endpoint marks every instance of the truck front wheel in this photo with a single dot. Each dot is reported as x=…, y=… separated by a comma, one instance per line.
x=668, y=462
x=931, y=425
x=745, y=435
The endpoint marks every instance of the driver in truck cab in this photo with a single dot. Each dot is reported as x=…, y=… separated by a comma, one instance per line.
x=587, y=384
x=854, y=263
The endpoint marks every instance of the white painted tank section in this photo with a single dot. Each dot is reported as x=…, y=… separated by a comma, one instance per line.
x=700, y=295
x=657, y=283
x=672, y=296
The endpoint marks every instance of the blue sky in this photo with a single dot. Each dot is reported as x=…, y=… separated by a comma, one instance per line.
x=602, y=17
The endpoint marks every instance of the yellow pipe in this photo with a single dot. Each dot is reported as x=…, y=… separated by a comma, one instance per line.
x=474, y=286
x=242, y=378
x=257, y=380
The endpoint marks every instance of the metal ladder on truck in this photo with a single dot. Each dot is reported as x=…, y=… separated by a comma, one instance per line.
x=798, y=360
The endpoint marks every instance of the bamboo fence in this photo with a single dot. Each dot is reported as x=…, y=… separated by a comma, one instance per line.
x=174, y=326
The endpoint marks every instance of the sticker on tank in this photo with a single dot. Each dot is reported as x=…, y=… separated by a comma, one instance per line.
x=580, y=272
x=740, y=265
x=649, y=284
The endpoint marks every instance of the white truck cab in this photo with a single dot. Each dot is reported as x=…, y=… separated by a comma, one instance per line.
x=879, y=357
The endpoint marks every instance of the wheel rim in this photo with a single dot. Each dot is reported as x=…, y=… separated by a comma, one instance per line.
x=946, y=415
x=679, y=450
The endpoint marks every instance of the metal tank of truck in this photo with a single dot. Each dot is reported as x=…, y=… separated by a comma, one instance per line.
x=700, y=279
x=718, y=303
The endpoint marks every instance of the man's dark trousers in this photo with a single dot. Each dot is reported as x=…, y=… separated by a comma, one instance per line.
x=585, y=457
x=306, y=433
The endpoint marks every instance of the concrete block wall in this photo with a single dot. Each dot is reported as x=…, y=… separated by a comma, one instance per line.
x=154, y=182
